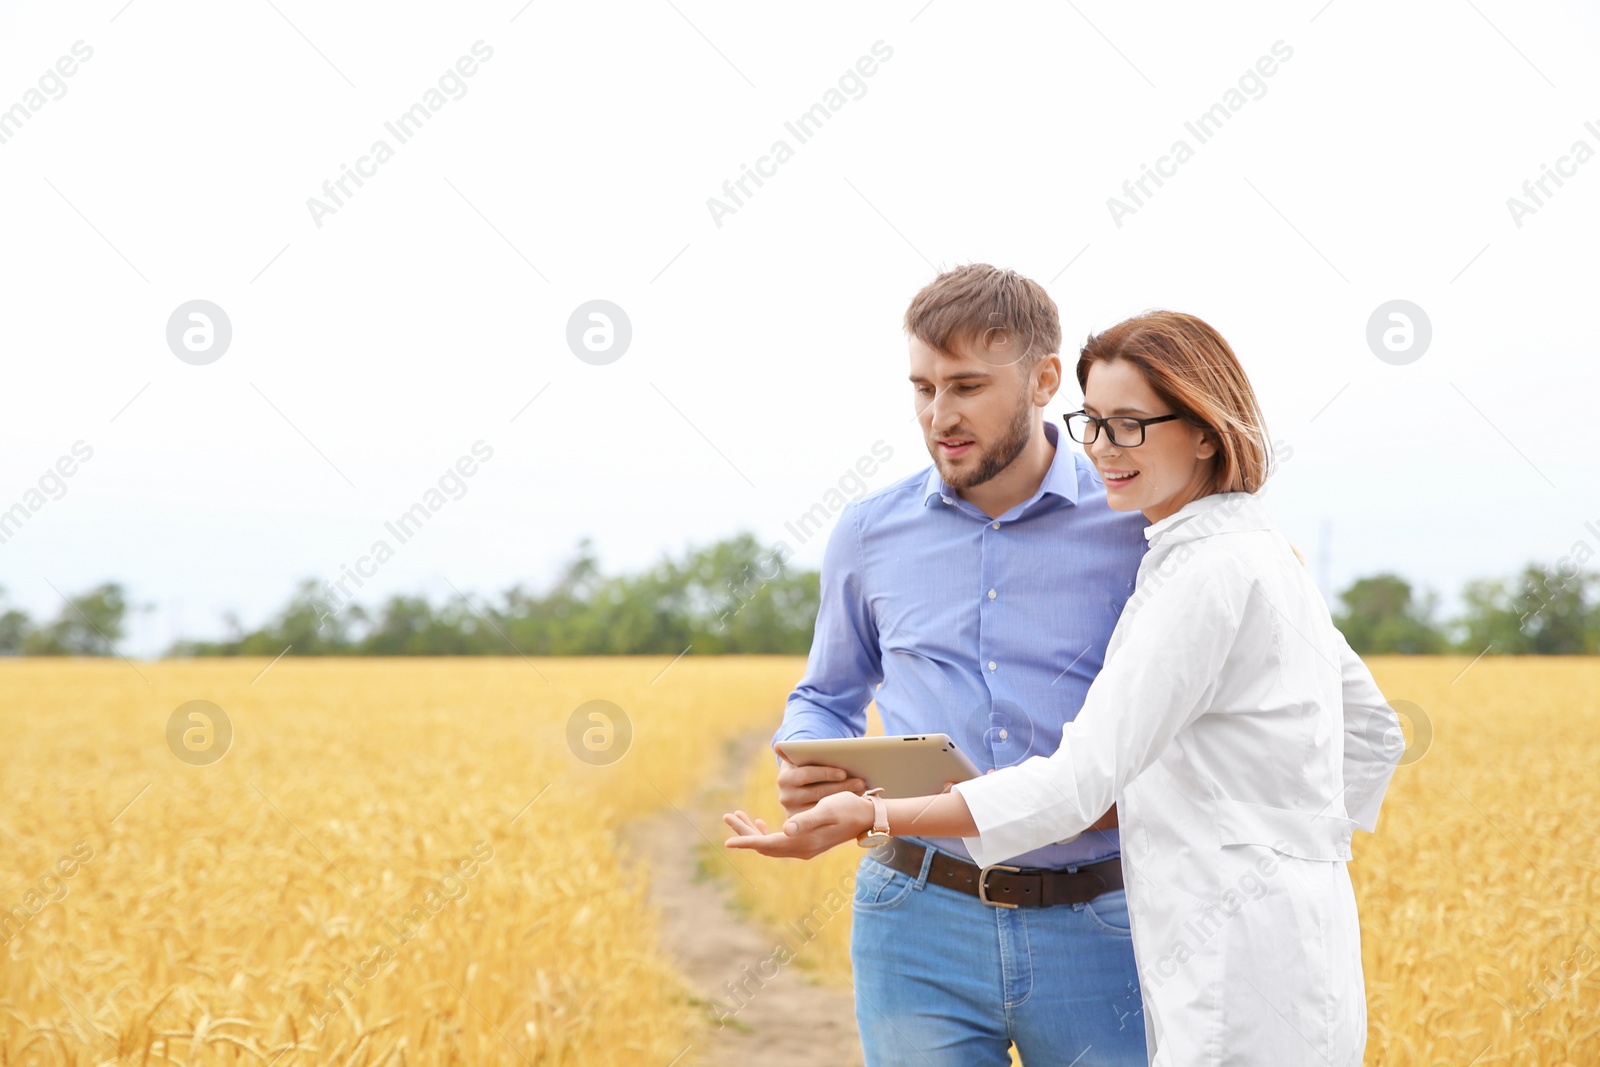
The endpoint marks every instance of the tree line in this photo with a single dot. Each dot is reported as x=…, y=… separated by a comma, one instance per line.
x=735, y=596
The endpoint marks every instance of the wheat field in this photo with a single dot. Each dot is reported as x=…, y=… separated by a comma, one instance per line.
x=405, y=861
x=397, y=861
x=1479, y=894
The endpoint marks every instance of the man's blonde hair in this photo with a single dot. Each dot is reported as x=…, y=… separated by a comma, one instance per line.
x=1008, y=318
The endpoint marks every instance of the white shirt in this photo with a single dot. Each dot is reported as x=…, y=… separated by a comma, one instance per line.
x=1242, y=742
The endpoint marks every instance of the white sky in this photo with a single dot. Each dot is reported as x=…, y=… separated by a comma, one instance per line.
x=766, y=357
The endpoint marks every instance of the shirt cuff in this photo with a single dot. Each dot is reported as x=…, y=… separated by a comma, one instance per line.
x=1001, y=833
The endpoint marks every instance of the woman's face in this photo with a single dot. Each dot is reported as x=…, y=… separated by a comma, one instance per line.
x=1166, y=472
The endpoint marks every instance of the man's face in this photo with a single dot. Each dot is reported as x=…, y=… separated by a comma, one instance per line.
x=976, y=409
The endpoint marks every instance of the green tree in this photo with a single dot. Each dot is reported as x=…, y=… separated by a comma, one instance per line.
x=90, y=624
x=15, y=625
x=1381, y=614
x=410, y=626
x=1546, y=610
x=309, y=624
x=745, y=598
x=733, y=596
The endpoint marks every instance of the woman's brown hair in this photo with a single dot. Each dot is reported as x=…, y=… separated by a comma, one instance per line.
x=1191, y=368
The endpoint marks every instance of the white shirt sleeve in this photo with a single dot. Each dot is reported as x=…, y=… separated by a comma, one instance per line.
x=1159, y=678
x=1373, y=742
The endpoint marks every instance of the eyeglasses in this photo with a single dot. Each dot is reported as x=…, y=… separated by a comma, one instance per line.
x=1124, y=431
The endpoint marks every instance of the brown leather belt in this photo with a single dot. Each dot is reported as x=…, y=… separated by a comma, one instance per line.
x=1002, y=886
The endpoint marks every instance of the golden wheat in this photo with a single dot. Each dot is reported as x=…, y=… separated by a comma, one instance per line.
x=1479, y=894
x=397, y=861
x=405, y=862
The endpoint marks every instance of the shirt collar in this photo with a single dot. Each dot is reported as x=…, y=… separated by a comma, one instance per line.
x=1216, y=513
x=1061, y=479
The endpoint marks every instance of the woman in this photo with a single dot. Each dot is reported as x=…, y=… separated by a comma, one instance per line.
x=1216, y=725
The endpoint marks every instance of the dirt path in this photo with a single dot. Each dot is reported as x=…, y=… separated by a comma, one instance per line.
x=788, y=1022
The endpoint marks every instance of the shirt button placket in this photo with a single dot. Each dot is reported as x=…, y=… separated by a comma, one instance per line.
x=989, y=626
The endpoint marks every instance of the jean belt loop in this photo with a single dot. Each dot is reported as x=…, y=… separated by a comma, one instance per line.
x=927, y=862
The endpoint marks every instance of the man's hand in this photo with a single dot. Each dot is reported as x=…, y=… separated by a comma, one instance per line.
x=833, y=820
x=799, y=788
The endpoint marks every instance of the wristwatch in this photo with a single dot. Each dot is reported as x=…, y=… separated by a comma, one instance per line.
x=879, y=834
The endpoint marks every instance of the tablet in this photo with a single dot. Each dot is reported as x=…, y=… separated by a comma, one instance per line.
x=906, y=765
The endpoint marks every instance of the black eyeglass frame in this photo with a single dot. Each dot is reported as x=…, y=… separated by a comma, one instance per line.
x=1100, y=424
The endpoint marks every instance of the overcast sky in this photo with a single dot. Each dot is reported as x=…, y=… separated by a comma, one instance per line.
x=1358, y=153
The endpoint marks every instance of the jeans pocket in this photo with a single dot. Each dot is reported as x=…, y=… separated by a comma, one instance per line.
x=880, y=887
x=1109, y=911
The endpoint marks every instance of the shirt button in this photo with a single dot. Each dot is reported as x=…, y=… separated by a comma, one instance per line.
x=991, y=665
x=991, y=594
x=996, y=525
x=945, y=499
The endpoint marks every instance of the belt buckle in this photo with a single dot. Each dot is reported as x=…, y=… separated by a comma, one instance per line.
x=983, y=884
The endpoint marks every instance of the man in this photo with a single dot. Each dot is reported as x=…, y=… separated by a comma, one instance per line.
x=981, y=593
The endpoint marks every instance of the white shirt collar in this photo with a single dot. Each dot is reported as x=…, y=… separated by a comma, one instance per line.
x=1216, y=513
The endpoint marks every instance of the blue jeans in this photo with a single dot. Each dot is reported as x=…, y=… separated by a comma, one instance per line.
x=945, y=980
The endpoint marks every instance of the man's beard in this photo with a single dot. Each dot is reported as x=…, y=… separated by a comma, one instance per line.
x=1015, y=438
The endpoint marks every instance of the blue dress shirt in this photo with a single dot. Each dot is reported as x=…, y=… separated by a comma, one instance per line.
x=989, y=630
